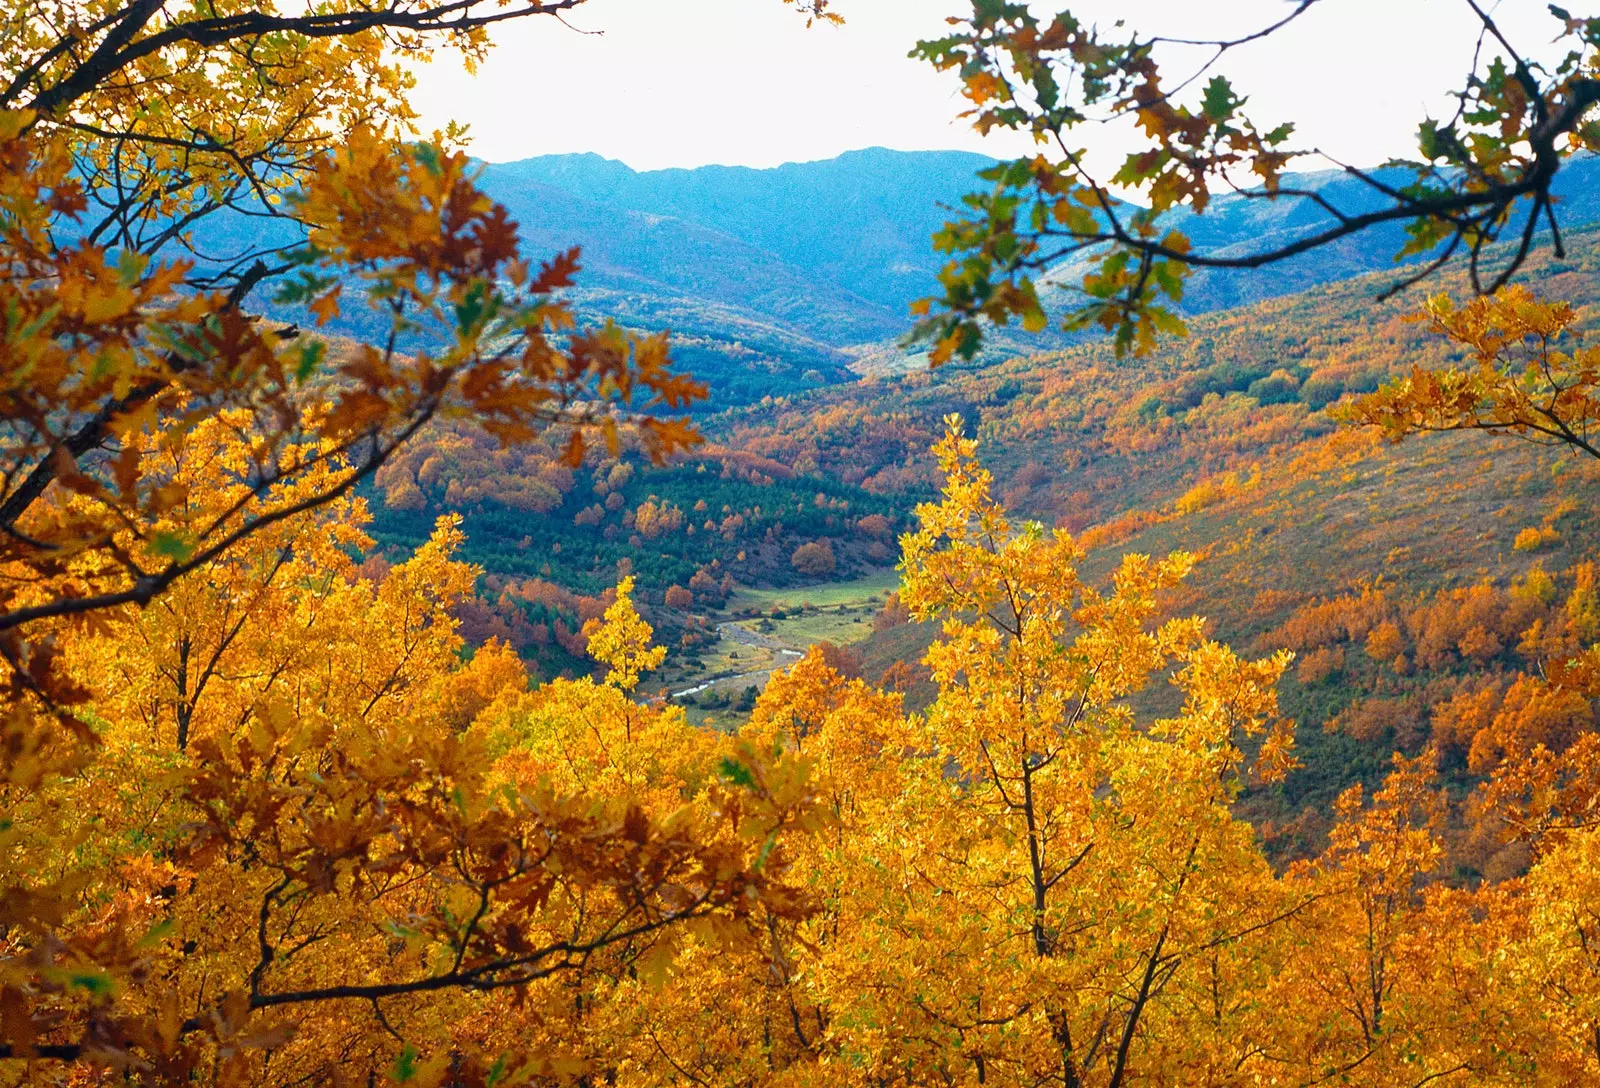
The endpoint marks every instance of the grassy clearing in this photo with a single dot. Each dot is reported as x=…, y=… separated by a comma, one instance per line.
x=838, y=624
x=721, y=657
x=855, y=593
x=838, y=612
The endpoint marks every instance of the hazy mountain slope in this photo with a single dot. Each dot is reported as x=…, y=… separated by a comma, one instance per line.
x=1235, y=225
x=835, y=250
x=861, y=221
x=659, y=254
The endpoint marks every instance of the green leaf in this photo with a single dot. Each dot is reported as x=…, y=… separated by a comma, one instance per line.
x=34, y=327
x=1219, y=101
x=428, y=156
x=97, y=983
x=1279, y=134
x=302, y=287
x=766, y=850
x=174, y=546
x=305, y=255
x=311, y=353
x=130, y=266
x=401, y=930
x=472, y=307
x=737, y=773
x=405, y=1065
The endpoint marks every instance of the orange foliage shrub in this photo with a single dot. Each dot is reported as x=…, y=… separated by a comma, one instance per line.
x=1402, y=719
x=1533, y=713
x=841, y=659
x=495, y=670
x=1385, y=642
x=814, y=559
x=876, y=525
x=1460, y=718
x=654, y=519
x=1532, y=539
x=1323, y=622
x=894, y=613
x=1477, y=623
x=1583, y=606
x=1319, y=665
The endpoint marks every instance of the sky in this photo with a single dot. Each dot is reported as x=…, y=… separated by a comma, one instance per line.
x=665, y=83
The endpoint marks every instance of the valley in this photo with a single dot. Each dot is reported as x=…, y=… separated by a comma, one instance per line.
x=1224, y=444
x=759, y=630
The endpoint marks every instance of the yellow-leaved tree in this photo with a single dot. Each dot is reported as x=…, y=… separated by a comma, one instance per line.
x=1046, y=885
x=288, y=860
x=1040, y=879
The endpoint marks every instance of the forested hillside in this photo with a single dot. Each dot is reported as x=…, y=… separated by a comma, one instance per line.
x=1222, y=445
x=1076, y=437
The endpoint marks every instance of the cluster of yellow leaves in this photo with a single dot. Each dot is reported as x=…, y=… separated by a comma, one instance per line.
x=1534, y=377
x=621, y=641
x=293, y=860
x=167, y=124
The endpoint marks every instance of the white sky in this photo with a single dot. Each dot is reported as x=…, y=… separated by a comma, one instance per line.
x=689, y=82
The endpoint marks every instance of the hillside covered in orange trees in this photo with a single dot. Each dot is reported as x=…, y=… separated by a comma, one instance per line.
x=1417, y=583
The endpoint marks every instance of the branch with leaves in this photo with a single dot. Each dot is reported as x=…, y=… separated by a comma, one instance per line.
x=1533, y=377
x=1485, y=171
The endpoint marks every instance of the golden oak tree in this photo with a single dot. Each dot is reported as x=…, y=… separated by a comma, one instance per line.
x=1026, y=885
x=1061, y=876
x=1035, y=883
x=287, y=859
x=646, y=1010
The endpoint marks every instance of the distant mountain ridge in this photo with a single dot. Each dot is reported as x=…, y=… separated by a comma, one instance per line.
x=764, y=276
x=778, y=280
x=861, y=222
x=837, y=249
x=1235, y=225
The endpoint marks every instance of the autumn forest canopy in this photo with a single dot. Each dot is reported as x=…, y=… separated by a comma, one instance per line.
x=1123, y=609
